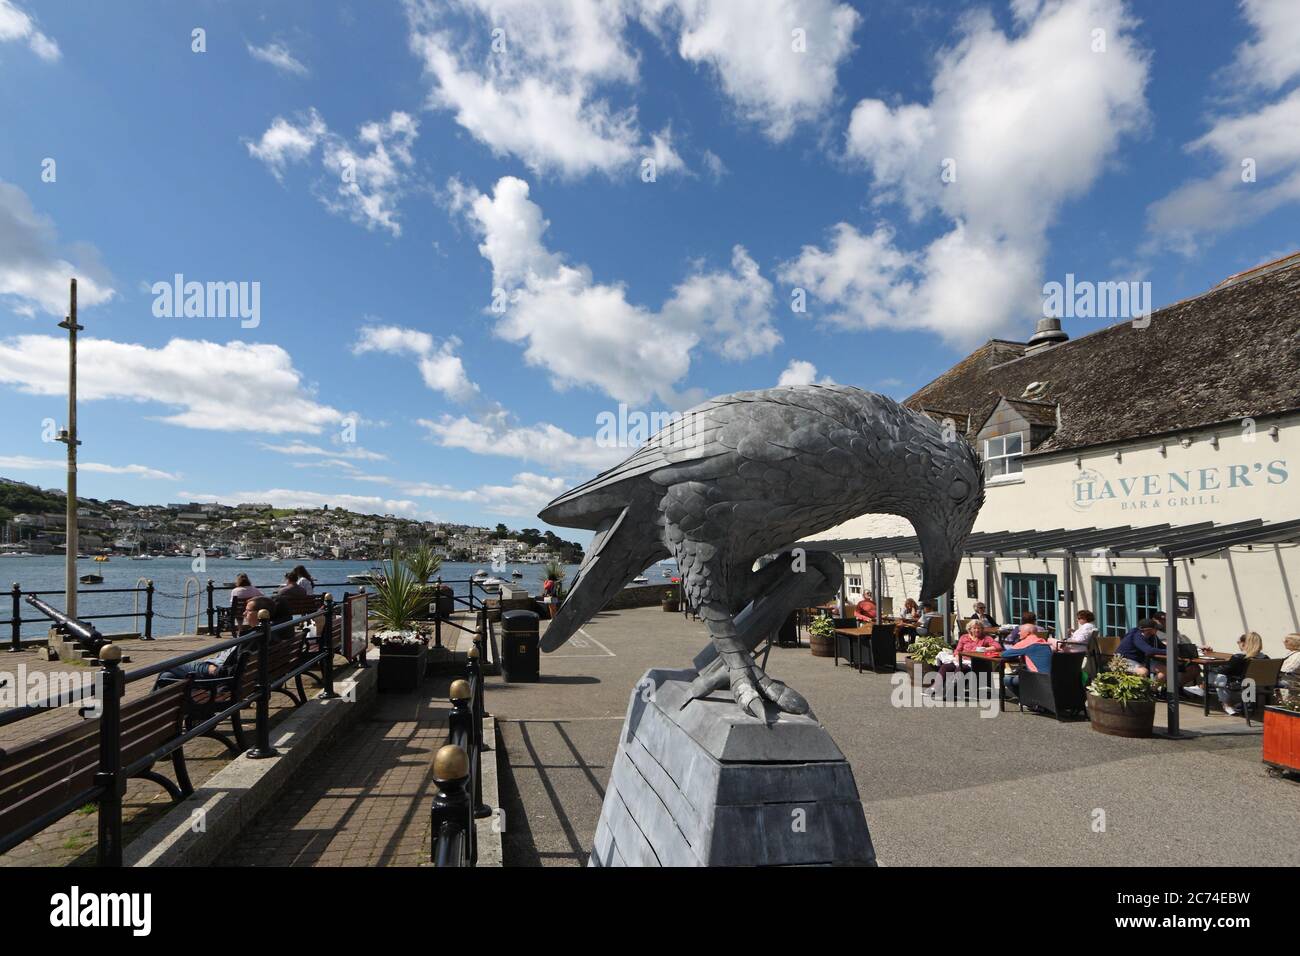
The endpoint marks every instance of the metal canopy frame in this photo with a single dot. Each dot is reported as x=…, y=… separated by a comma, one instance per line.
x=1161, y=541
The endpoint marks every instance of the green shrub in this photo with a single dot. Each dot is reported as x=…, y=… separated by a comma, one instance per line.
x=927, y=649
x=1116, y=683
x=822, y=627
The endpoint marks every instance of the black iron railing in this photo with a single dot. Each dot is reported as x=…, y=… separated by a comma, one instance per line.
x=458, y=767
x=106, y=692
x=217, y=612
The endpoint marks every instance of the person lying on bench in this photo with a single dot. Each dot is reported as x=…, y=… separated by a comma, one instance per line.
x=214, y=666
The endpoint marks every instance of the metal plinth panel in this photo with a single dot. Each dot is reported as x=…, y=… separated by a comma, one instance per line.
x=705, y=785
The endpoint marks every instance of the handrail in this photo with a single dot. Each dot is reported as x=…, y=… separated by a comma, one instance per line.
x=458, y=767
x=109, y=689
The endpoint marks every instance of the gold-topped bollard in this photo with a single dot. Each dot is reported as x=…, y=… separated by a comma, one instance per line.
x=459, y=690
x=450, y=763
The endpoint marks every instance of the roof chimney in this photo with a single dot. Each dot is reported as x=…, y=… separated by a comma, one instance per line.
x=1049, y=333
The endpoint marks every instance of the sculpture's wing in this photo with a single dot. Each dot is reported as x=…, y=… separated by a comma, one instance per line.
x=717, y=439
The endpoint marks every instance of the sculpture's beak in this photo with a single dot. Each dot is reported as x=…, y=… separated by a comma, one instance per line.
x=941, y=560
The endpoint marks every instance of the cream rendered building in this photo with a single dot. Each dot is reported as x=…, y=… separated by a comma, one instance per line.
x=1191, y=418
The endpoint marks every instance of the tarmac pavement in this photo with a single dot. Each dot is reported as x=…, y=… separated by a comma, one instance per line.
x=939, y=785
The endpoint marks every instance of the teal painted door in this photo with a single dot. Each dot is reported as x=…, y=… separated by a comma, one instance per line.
x=1031, y=592
x=1122, y=602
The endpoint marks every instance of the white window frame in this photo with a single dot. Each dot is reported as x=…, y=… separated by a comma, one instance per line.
x=853, y=583
x=1008, y=458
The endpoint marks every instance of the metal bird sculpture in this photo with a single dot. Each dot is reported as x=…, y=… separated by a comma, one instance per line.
x=750, y=474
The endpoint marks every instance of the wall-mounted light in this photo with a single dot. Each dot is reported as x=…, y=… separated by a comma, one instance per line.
x=1185, y=441
x=1078, y=461
x=1214, y=441
x=1164, y=450
x=1272, y=433
x=1119, y=456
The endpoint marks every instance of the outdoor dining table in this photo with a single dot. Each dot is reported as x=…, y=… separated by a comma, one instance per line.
x=1207, y=664
x=856, y=637
x=991, y=659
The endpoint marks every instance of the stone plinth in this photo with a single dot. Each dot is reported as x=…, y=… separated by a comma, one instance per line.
x=706, y=785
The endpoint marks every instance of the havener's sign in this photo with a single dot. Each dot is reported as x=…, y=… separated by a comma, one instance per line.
x=1173, y=489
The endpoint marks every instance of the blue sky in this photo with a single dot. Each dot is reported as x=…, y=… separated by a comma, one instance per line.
x=381, y=169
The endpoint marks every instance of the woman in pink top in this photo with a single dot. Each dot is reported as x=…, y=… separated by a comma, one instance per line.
x=973, y=640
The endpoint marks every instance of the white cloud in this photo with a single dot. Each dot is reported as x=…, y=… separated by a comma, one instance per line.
x=301, y=449
x=753, y=49
x=27, y=463
x=1026, y=123
x=534, y=95
x=626, y=350
x=16, y=24
x=290, y=498
x=542, y=443
x=32, y=271
x=1262, y=139
x=440, y=366
x=734, y=308
x=364, y=181
x=799, y=372
x=278, y=56
x=222, y=387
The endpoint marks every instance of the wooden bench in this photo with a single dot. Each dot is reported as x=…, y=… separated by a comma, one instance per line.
x=56, y=773
x=209, y=696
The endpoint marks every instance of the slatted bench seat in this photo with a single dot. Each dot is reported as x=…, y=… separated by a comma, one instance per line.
x=44, y=779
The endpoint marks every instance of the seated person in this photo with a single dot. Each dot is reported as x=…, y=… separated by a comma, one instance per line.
x=928, y=614
x=1291, y=666
x=1138, y=647
x=243, y=589
x=215, y=665
x=1033, y=649
x=305, y=580
x=1083, y=633
x=290, y=587
x=952, y=662
x=865, y=611
x=1249, y=647
x=981, y=614
x=905, y=623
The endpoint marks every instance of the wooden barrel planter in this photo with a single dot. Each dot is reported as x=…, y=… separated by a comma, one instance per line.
x=822, y=646
x=1282, y=739
x=1120, y=718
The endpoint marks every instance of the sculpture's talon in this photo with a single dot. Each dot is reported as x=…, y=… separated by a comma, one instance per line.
x=786, y=698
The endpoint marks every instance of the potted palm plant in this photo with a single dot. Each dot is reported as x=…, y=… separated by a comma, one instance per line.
x=1122, y=704
x=424, y=564
x=396, y=606
x=1282, y=734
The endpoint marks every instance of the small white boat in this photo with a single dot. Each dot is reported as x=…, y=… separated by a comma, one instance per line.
x=516, y=574
x=480, y=574
x=640, y=579
x=243, y=557
x=366, y=577
x=491, y=584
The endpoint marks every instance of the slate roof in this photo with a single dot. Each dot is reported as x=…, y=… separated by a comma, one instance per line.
x=1229, y=354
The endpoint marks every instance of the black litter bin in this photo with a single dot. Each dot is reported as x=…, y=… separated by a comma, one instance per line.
x=519, y=650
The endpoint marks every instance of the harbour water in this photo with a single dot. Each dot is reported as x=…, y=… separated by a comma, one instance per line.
x=170, y=576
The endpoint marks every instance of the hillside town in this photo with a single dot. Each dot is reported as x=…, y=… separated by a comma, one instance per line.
x=33, y=522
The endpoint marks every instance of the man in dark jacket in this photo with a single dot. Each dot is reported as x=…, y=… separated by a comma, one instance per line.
x=1138, y=646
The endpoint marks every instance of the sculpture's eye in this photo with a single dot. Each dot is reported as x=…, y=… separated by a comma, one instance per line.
x=959, y=490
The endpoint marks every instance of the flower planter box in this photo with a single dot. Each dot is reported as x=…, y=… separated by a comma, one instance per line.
x=1120, y=718
x=401, y=670
x=1282, y=739
x=821, y=646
